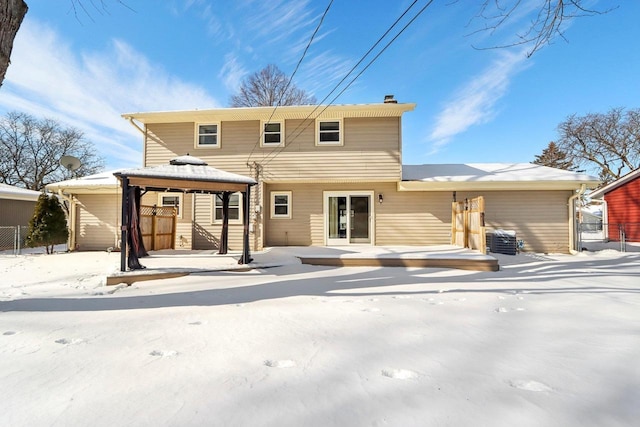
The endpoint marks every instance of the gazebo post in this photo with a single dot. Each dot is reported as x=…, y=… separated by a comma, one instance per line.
x=224, y=235
x=245, y=246
x=123, y=223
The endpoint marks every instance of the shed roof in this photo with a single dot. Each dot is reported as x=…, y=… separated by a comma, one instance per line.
x=599, y=193
x=12, y=192
x=491, y=176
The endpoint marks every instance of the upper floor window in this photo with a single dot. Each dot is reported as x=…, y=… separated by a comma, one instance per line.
x=272, y=134
x=329, y=132
x=281, y=204
x=235, y=207
x=171, y=199
x=208, y=135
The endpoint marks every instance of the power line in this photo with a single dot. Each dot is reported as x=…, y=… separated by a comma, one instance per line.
x=268, y=159
x=304, y=53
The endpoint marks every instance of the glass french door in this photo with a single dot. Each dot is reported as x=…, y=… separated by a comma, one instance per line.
x=348, y=218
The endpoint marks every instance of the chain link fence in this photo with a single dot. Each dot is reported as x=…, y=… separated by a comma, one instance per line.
x=12, y=238
x=597, y=236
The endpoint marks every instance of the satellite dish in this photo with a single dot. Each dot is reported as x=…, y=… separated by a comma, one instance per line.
x=70, y=162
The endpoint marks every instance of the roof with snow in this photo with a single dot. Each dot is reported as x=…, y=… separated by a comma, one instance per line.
x=11, y=192
x=599, y=193
x=491, y=176
x=186, y=173
x=99, y=182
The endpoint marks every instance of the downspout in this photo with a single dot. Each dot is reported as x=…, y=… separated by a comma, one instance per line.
x=572, y=218
x=71, y=243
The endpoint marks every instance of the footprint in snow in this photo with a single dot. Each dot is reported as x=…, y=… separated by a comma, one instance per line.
x=529, y=385
x=164, y=353
x=197, y=323
x=65, y=341
x=402, y=297
x=10, y=333
x=400, y=374
x=505, y=310
x=371, y=310
x=286, y=363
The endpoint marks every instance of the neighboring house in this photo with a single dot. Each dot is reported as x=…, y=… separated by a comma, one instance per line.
x=94, y=210
x=622, y=207
x=334, y=175
x=16, y=205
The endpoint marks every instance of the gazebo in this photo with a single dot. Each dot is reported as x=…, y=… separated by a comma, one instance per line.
x=184, y=174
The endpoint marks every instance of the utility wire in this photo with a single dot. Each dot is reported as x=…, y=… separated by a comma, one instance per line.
x=268, y=159
x=284, y=91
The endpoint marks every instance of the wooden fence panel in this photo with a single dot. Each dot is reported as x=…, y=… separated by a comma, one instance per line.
x=158, y=226
x=467, y=224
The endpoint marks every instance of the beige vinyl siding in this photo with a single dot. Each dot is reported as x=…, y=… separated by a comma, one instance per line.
x=371, y=150
x=98, y=221
x=206, y=234
x=539, y=218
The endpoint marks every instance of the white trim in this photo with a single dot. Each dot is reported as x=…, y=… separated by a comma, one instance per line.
x=196, y=141
x=170, y=194
x=215, y=220
x=263, y=133
x=273, y=205
x=325, y=214
x=340, y=133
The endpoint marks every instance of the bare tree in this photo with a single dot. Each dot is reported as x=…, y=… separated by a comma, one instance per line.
x=548, y=19
x=32, y=150
x=12, y=13
x=269, y=87
x=608, y=142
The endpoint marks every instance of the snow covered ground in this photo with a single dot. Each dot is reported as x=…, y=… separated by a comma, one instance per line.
x=546, y=341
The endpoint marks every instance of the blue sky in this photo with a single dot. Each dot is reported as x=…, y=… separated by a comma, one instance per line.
x=472, y=105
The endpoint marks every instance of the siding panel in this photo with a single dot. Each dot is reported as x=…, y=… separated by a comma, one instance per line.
x=98, y=221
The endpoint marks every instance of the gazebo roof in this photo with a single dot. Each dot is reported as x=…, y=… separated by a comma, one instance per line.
x=188, y=174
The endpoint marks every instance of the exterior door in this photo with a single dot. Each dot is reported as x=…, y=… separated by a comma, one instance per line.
x=348, y=218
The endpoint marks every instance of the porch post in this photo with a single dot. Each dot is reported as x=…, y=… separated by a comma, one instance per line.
x=124, y=223
x=224, y=235
x=245, y=259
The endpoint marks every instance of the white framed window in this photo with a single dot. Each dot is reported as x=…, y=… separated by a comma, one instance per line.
x=281, y=204
x=207, y=135
x=272, y=134
x=329, y=132
x=235, y=208
x=171, y=199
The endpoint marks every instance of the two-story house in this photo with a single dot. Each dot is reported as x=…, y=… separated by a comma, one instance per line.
x=334, y=175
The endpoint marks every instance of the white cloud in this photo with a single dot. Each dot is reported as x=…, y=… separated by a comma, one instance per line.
x=232, y=72
x=475, y=102
x=91, y=90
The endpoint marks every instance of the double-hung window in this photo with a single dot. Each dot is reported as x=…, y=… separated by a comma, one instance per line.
x=281, y=204
x=329, y=132
x=208, y=135
x=272, y=134
x=235, y=208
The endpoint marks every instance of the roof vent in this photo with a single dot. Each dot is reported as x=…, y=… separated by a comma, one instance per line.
x=389, y=99
x=187, y=160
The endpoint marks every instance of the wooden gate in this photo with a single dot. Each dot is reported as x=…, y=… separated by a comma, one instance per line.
x=158, y=226
x=467, y=224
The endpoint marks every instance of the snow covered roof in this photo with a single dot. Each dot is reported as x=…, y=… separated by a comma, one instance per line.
x=100, y=182
x=185, y=172
x=16, y=193
x=491, y=176
x=269, y=113
x=599, y=193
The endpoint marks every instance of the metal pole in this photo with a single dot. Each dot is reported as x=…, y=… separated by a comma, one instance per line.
x=124, y=223
x=245, y=252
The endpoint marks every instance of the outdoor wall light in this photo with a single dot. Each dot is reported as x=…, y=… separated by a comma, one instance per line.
x=380, y=198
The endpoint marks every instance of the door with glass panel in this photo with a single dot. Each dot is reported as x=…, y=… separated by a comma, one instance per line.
x=348, y=218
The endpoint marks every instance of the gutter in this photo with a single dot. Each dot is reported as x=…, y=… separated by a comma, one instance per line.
x=135, y=125
x=572, y=219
